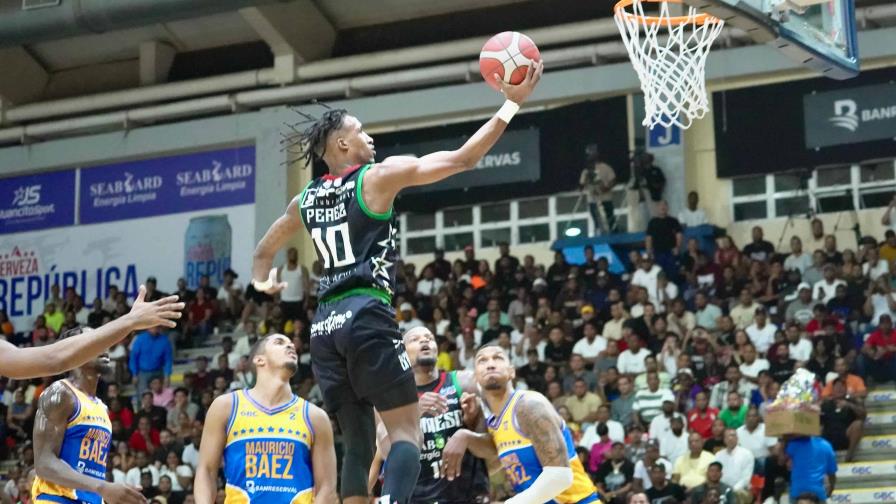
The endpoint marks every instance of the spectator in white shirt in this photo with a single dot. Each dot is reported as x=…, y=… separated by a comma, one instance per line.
x=874, y=267
x=825, y=289
x=761, y=332
x=652, y=456
x=680, y=321
x=408, y=319
x=613, y=327
x=745, y=311
x=692, y=216
x=191, y=451
x=752, y=365
x=674, y=443
x=646, y=276
x=799, y=348
x=797, y=260
x=590, y=346
x=662, y=423
x=751, y=435
x=707, y=314
x=631, y=361
x=882, y=301
x=142, y=463
x=615, y=430
x=737, y=464
x=233, y=358
x=429, y=285
x=517, y=307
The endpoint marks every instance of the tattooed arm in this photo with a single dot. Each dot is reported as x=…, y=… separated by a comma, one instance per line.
x=541, y=424
x=55, y=407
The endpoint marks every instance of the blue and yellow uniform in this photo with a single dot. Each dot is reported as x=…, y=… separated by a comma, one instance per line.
x=268, y=453
x=521, y=464
x=88, y=436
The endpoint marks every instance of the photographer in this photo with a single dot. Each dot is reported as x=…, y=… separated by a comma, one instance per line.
x=596, y=181
x=636, y=193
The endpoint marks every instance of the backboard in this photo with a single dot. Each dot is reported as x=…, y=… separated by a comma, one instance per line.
x=820, y=34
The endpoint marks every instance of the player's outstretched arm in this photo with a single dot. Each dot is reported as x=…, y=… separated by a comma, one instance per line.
x=541, y=424
x=479, y=444
x=264, y=275
x=22, y=363
x=384, y=180
x=211, y=449
x=54, y=408
x=323, y=457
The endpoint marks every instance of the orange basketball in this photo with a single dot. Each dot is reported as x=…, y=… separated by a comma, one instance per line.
x=509, y=55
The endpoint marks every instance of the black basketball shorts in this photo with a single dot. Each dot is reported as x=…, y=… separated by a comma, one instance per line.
x=357, y=355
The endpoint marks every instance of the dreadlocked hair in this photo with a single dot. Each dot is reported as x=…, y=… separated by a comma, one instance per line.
x=311, y=143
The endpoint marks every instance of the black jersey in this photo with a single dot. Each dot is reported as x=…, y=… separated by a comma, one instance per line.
x=472, y=485
x=355, y=245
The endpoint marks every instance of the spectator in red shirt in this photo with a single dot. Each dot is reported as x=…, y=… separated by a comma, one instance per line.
x=120, y=412
x=879, y=350
x=202, y=377
x=815, y=327
x=201, y=316
x=145, y=438
x=700, y=418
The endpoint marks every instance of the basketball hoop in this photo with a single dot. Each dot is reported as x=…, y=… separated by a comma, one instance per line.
x=669, y=54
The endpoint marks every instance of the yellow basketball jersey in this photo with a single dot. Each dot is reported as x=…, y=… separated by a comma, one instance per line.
x=88, y=436
x=521, y=464
x=268, y=453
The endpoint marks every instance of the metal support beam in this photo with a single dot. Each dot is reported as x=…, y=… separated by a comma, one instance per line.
x=23, y=78
x=155, y=62
x=297, y=32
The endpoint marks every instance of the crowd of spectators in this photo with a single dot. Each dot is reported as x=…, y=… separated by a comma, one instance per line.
x=663, y=373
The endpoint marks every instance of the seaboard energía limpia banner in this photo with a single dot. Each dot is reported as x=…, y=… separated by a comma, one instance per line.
x=169, y=217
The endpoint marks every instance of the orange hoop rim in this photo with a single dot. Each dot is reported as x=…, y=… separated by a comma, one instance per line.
x=700, y=19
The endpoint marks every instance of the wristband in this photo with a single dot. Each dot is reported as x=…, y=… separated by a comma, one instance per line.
x=262, y=286
x=507, y=111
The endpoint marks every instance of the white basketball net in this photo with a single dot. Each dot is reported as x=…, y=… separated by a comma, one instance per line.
x=670, y=59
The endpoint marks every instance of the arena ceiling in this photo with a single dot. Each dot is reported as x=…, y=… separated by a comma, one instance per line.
x=180, y=40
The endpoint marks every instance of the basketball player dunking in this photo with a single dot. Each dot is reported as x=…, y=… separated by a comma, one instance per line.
x=356, y=348
x=447, y=404
x=72, y=436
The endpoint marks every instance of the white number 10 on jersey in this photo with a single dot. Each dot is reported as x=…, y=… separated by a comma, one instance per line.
x=329, y=251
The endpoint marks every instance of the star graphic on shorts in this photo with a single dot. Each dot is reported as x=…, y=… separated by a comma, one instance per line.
x=381, y=266
x=270, y=429
x=389, y=241
x=282, y=430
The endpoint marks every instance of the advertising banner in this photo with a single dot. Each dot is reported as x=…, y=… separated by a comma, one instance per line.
x=40, y=201
x=850, y=116
x=91, y=258
x=515, y=158
x=181, y=216
x=165, y=185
